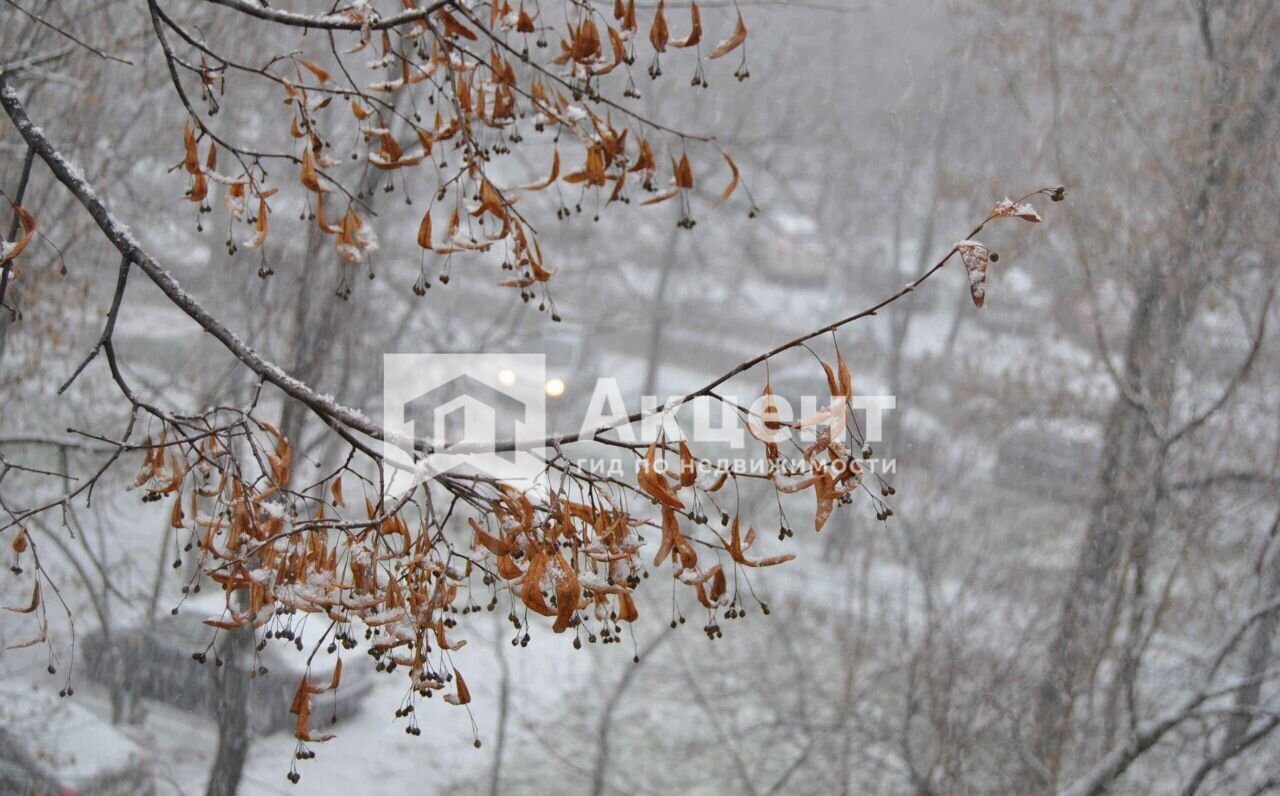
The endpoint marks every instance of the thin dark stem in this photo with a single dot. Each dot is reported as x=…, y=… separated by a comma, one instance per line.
x=708, y=389
x=13, y=225
x=112, y=314
x=66, y=34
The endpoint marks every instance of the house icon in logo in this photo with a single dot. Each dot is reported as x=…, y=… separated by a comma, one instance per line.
x=462, y=406
x=466, y=415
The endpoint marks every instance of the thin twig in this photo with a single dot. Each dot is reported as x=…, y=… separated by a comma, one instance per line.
x=110, y=326
x=71, y=36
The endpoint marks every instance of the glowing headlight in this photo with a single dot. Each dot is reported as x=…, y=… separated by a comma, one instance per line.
x=555, y=387
x=506, y=377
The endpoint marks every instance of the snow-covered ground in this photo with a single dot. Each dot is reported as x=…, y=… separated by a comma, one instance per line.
x=370, y=746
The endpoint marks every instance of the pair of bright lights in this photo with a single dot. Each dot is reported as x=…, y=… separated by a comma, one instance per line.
x=554, y=387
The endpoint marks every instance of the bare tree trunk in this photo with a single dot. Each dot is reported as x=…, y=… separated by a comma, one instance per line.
x=232, y=713
x=1134, y=452
x=1259, y=653
x=309, y=358
x=1132, y=465
x=600, y=770
x=504, y=709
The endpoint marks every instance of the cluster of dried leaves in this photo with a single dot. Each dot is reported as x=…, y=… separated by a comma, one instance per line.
x=400, y=571
x=487, y=92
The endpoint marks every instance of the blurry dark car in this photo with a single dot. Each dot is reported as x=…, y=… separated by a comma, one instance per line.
x=54, y=747
x=156, y=663
x=20, y=773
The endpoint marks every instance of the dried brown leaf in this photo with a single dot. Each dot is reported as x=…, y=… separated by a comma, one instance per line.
x=732, y=43
x=733, y=182
x=10, y=250
x=695, y=31
x=659, y=35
